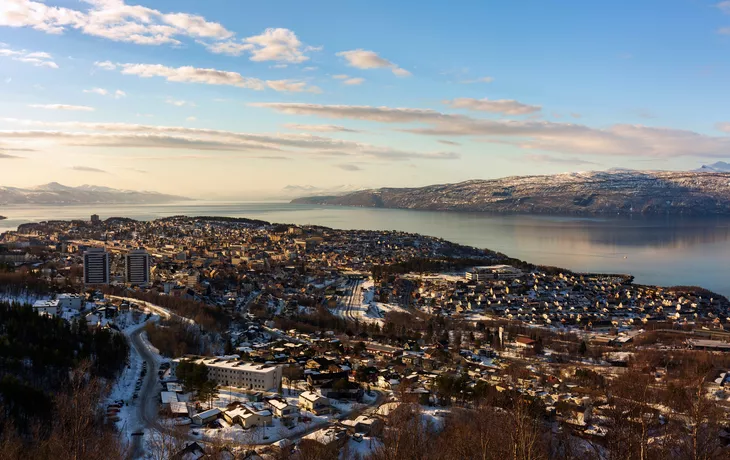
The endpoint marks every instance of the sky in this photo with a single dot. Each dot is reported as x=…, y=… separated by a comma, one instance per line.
x=242, y=100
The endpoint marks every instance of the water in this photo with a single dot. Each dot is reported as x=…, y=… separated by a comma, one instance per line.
x=665, y=251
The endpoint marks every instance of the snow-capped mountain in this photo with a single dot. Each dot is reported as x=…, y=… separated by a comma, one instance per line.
x=58, y=194
x=586, y=193
x=719, y=166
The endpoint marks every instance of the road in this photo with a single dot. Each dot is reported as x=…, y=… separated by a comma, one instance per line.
x=348, y=309
x=147, y=406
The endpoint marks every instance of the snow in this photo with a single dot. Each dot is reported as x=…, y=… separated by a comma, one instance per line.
x=363, y=449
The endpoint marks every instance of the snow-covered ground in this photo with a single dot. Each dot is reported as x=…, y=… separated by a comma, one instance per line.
x=123, y=387
x=362, y=449
x=276, y=430
x=23, y=299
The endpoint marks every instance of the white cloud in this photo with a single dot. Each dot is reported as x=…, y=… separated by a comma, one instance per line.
x=176, y=137
x=292, y=86
x=724, y=31
x=274, y=44
x=118, y=94
x=113, y=20
x=191, y=119
x=99, y=91
x=478, y=80
x=724, y=6
x=179, y=102
x=341, y=76
x=320, y=128
x=106, y=65
x=568, y=138
x=364, y=59
x=189, y=74
x=37, y=58
x=81, y=108
x=354, y=81
x=723, y=126
x=502, y=106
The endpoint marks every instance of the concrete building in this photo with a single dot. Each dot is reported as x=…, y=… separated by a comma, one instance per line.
x=71, y=301
x=137, y=267
x=47, y=307
x=239, y=374
x=96, y=266
x=493, y=272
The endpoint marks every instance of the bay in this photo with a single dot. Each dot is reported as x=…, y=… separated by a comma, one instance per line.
x=663, y=251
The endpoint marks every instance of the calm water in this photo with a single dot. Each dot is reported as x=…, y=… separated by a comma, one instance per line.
x=656, y=251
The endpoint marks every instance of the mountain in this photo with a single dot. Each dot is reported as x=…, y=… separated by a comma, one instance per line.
x=58, y=194
x=719, y=166
x=584, y=193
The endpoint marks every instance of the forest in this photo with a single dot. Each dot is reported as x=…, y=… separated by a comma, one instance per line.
x=47, y=367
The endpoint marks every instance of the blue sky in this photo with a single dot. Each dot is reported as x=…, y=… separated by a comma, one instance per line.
x=232, y=99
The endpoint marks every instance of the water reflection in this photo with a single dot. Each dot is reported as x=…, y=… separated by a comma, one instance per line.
x=665, y=251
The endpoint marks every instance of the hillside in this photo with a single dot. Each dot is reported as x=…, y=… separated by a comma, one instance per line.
x=585, y=193
x=57, y=194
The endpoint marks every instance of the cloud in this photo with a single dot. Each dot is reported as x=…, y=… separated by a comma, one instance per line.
x=37, y=58
x=364, y=59
x=576, y=115
x=191, y=119
x=320, y=128
x=281, y=45
x=125, y=135
x=106, y=65
x=501, y=106
x=81, y=108
x=355, y=112
x=113, y=20
x=88, y=169
x=540, y=158
x=724, y=31
x=348, y=167
x=5, y=156
x=567, y=138
x=445, y=142
x=478, y=80
x=724, y=6
x=341, y=76
x=179, y=102
x=354, y=81
x=99, y=91
x=292, y=86
x=189, y=74
x=723, y=126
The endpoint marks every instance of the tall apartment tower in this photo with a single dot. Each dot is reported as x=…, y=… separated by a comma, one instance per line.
x=96, y=266
x=137, y=267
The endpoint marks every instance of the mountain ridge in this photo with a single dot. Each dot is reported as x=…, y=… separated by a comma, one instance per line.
x=585, y=193
x=54, y=193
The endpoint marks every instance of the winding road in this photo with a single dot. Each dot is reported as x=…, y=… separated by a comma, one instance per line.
x=147, y=406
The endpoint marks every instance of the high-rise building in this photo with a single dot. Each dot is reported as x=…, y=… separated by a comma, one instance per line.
x=96, y=266
x=95, y=219
x=137, y=267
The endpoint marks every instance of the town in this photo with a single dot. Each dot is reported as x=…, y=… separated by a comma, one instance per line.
x=260, y=340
